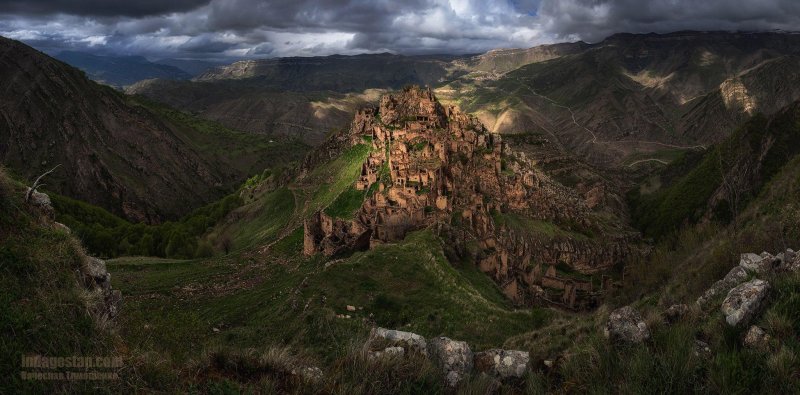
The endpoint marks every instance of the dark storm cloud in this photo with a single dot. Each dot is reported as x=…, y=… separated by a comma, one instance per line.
x=593, y=20
x=131, y=8
x=257, y=28
x=350, y=15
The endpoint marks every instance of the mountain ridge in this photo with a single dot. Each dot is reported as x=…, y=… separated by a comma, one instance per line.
x=141, y=162
x=120, y=71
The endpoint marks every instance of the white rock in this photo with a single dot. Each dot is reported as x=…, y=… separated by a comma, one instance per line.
x=752, y=262
x=502, y=363
x=756, y=338
x=701, y=349
x=626, y=325
x=453, y=357
x=310, y=373
x=735, y=276
x=744, y=302
x=388, y=352
x=408, y=340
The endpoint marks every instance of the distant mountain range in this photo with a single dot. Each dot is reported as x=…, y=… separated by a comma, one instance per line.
x=340, y=73
x=121, y=71
x=298, y=97
x=630, y=99
x=194, y=67
x=635, y=96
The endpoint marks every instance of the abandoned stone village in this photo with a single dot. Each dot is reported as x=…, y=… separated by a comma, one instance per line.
x=433, y=165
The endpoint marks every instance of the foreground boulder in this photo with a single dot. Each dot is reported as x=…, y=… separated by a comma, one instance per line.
x=503, y=364
x=756, y=338
x=736, y=276
x=97, y=280
x=96, y=272
x=453, y=357
x=744, y=302
x=42, y=201
x=627, y=326
x=407, y=340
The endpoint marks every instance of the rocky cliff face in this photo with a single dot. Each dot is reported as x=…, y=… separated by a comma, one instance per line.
x=433, y=165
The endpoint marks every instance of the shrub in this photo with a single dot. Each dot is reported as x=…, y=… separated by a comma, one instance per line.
x=204, y=250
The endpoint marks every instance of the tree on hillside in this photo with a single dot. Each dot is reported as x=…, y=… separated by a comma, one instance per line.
x=180, y=245
x=226, y=244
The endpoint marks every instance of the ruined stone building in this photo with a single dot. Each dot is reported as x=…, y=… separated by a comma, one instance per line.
x=432, y=164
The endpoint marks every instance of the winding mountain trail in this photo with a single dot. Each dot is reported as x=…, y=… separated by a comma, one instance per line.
x=648, y=160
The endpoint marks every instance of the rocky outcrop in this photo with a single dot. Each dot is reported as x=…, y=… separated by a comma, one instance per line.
x=752, y=262
x=103, y=301
x=786, y=261
x=433, y=164
x=757, y=338
x=503, y=364
x=407, y=340
x=453, y=357
x=97, y=280
x=41, y=201
x=744, y=302
x=333, y=236
x=627, y=326
x=735, y=276
x=791, y=261
x=388, y=352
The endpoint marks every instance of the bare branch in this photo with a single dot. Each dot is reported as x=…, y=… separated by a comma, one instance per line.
x=37, y=183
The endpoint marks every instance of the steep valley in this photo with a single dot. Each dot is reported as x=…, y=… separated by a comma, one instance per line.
x=613, y=217
x=134, y=158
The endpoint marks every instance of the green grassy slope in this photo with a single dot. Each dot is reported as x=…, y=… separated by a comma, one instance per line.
x=684, y=263
x=679, y=270
x=239, y=153
x=178, y=311
x=271, y=214
x=762, y=146
x=43, y=310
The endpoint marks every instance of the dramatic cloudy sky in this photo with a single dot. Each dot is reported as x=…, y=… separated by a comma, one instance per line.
x=266, y=28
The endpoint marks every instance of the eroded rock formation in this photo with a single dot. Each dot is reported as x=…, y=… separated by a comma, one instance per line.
x=433, y=165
